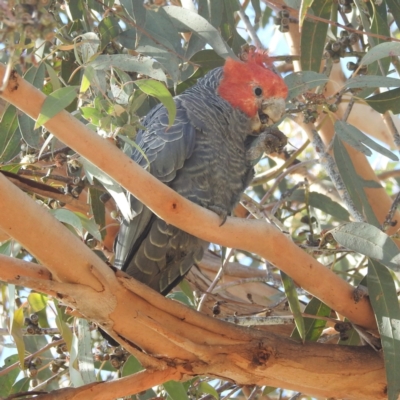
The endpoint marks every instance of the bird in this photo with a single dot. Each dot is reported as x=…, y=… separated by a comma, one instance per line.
x=222, y=125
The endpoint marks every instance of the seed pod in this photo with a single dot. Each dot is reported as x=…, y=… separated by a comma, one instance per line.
x=115, y=361
x=31, y=329
x=333, y=107
x=283, y=28
x=285, y=21
x=34, y=319
x=32, y=372
x=284, y=14
x=347, y=9
x=351, y=66
x=336, y=46
x=277, y=20
x=354, y=38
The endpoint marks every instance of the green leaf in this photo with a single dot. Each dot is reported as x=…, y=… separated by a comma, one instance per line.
x=382, y=50
x=257, y=9
x=68, y=217
x=16, y=333
x=386, y=101
x=55, y=103
x=135, y=9
x=64, y=329
x=371, y=81
x=313, y=326
x=29, y=133
x=158, y=90
x=383, y=296
x=313, y=36
x=126, y=62
x=22, y=385
x=175, y=390
x=7, y=381
x=35, y=75
x=116, y=191
x=54, y=80
x=161, y=53
x=305, y=5
x=300, y=82
x=323, y=203
x=357, y=139
x=185, y=287
x=353, y=182
x=89, y=225
x=97, y=206
x=394, y=7
x=10, y=134
x=75, y=9
x=131, y=366
x=208, y=59
x=81, y=364
x=294, y=304
x=109, y=29
x=188, y=21
x=37, y=301
x=368, y=240
x=205, y=387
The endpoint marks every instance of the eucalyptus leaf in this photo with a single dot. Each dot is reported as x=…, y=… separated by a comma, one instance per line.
x=313, y=36
x=175, y=390
x=29, y=133
x=360, y=141
x=368, y=240
x=35, y=75
x=294, y=304
x=323, y=203
x=353, y=182
x=188, y=21
x=382, y=50
x=55, y=103
x=371, y=81
x=386, y=101
x=84, y=352
x=116, y=191
x=128, y=63
x=300, y=82
x=313, y=326
x=305, y=5
x=37, y=301
x=68, y=217
x=384, y=300
x=10, y=133
x=158, y=90
x=7, y=380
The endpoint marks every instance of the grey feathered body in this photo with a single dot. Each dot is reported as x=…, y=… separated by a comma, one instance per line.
x=204, y=157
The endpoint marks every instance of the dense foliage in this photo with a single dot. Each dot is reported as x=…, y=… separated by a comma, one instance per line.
x=333, y=191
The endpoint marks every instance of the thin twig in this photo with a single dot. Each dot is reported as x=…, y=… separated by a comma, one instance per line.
x=48, y=346
x=249, y=27
x=389, y=217
x=348, y=109
x=280, y=177
x=330, y=166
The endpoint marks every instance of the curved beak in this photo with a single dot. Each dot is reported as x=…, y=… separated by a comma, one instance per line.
x=271, y=111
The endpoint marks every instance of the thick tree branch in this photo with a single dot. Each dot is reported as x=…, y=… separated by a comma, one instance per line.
x=235, y=233
x=127, y=308
x=114, y=389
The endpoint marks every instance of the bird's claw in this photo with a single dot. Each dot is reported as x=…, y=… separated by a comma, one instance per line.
x=221, y=212
x=273, y=140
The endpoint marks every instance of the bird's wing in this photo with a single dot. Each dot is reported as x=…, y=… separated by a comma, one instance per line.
x=165, y=149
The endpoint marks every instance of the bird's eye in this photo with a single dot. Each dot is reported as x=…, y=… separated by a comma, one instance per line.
x=258, y=91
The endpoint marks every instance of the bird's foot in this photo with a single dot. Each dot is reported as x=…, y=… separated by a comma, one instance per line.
x=273, y=140
x=221, y=212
